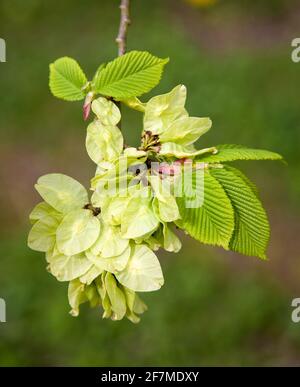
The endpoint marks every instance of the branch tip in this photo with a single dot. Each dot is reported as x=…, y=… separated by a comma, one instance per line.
x=124, y=23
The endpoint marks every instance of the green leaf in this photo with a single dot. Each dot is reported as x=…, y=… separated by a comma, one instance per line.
x=143, y=272
x=130, y=75
x=97, y=73
x=213, y=222
x=252, y=232
x=244, y=178
x=237, y=152
x=77, y=232
x=62, y=192
x=67, y=80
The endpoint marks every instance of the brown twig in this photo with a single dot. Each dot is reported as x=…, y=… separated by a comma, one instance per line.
x=124, y=23
x=122, y=35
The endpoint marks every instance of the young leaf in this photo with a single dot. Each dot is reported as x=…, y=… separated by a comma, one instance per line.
x=130, y=75
x=97, y=73
x=213, y=222
x=67, y=79
x=252, y=232
x=244, y=178
x=236, y=152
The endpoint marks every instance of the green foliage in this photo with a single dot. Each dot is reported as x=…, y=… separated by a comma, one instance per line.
x=130, y=75
x=237, y=152
x=213, y=221
x=104, y=246
x=251, y=234
x=124, y=78
x=67, y=80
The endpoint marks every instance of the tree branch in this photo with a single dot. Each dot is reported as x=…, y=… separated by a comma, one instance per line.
x=124, y=23
x=122, y=35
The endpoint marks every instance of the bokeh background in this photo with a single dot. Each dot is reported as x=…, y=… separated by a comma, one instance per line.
x=217, y=307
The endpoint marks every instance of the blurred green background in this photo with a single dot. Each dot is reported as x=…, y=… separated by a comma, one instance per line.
x=216, y=308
